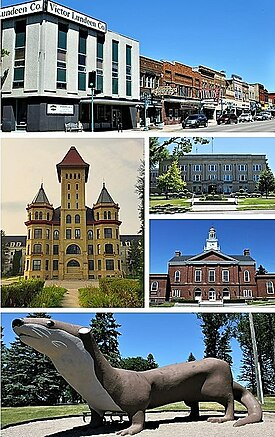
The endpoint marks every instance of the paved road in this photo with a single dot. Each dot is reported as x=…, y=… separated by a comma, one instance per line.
x=157, y=425
x=255, y=126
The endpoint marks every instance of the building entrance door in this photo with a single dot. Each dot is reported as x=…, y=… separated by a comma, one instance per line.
x=116, y=118
x=212, y=295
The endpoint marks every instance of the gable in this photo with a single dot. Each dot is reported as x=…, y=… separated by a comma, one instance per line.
x=212, y=255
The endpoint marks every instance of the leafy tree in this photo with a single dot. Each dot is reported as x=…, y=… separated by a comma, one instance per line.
x=105, y=331
x=4, y=253
x=182, y=145
x=261, y=270
x=171, y=181
x=4, y=52
x=266, y=182
x=16, y=262
x=136, y=255
x=191, y=357
x=138, y=363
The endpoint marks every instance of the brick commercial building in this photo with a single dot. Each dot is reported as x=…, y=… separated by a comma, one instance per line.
x=219, y=173
x=52, y=49
x=72, y=241
x=211, y=276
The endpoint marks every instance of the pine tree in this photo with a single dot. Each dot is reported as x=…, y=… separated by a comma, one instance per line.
x=266, y=182
x=217, y=331
x=171, y=181
x=191, y=357
x=105, y=332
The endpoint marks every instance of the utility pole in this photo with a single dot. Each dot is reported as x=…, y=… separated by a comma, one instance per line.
x=256, y=361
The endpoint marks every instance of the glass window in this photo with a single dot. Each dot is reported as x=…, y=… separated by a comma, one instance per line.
x=56, y=235
x=177, y=276
x=91, y=264
x=73, y=249
x=77, y=233
x=154, y=286
x=37, y=248
x=109, y=264
x=38, y=233
x=55, y=264
x=90, y=235
x=36, y=264
x=55, y=249
x=197, y=275
x=90, y=249
x=246, y=276
x=109, y=248
x=270, y=287
x=108, y=233
x=68, y=218
x=225, y=275
x=211, y=275
x=68, y=234
x=77, y=218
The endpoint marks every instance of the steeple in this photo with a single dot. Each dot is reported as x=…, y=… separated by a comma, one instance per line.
x=212, y=243
x=104, y=196
x=72, y=160
x=41, y=196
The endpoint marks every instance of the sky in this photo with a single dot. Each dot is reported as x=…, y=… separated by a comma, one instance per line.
x=27, y=162
x=253, y=145
x=189, y=236
x=234, y=36
x=169, y=337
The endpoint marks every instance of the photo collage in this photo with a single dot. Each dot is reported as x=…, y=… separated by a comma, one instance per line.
x=137, y=220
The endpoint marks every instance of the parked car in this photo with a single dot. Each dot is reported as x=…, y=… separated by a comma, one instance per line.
x=227, y=118
x=195, y=120
x=262, y=116
x=245, y=116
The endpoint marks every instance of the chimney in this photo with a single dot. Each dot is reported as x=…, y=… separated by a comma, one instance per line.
x=178, y=253
x=246, y=252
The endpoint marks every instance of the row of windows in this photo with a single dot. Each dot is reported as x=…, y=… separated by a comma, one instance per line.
x=72, y=176
x=107, y=232
x=73, y=249
x=226, y=177
x=212, y=276
x=270, y=289
x=214, y=167
x=37, y=264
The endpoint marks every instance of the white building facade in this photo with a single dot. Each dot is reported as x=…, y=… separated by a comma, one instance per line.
x=52, y=49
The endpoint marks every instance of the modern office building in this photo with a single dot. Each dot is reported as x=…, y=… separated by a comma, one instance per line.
x=51, y=50
x=72, y=241
x=219, y=173
x=211, y=276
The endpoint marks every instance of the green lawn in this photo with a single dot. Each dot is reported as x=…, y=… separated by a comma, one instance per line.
x=256, y=203
x=12, y=416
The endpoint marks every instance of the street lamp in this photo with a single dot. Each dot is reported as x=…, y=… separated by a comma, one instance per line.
x=92, y=85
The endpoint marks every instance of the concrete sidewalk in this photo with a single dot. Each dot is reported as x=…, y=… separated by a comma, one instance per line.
x=70, y=299
x=158, y=424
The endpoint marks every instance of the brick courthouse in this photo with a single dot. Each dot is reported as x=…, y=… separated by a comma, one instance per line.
x=211, y=277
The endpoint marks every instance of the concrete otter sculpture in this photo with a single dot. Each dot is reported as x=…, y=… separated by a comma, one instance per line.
x=77, y=357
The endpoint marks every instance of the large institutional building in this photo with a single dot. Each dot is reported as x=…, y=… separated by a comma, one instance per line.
x=211, y=277
x=72, y=241
x=52, y=49
x=219, y=173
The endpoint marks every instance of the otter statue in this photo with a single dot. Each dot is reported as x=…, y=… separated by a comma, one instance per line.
x=77, y=357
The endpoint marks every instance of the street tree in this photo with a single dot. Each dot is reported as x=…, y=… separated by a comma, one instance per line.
x=106, y=334
x=135, y=259
x=171, y=181
x=266, y=182
x=4, y=252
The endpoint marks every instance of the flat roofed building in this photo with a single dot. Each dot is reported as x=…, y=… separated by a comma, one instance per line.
x=45, y=76
x=219, y=173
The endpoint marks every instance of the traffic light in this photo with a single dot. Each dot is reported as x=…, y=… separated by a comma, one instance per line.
x=92, y=79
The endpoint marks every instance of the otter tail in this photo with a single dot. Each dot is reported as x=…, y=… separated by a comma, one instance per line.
x=253, y=407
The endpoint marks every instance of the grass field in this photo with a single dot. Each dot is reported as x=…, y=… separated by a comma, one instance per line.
x=12, y=416
x=256, y=203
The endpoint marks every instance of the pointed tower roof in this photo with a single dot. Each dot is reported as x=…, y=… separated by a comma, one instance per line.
x=72, y=159
x=104, y=196
x=41, y=196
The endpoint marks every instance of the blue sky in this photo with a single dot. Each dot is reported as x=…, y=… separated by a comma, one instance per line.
x=254, y=145
x=189, y=237
x=169, y=337
x=235, y=36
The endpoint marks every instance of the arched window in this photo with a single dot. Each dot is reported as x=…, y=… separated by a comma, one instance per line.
x=37, y=248
x=47, y=234
x=56, y=235
x=90, y=235
x=177, y=276
x=36, y=215
x=109, y=215
x=97, y=215
x=47, y=249
x=68, y=218
x=105, y=215
x=40, y=215
x=154, y=286
x=48, y=216
x=246, y=276
x=225, y=293
x=73, y=249
x=73, y=263
x=270, y=287
x=77, y=218
x=197, y=294
x=109, y=248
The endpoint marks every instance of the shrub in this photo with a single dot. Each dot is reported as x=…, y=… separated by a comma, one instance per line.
x=112, y=293
x=21, y=293
x=49, y=297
